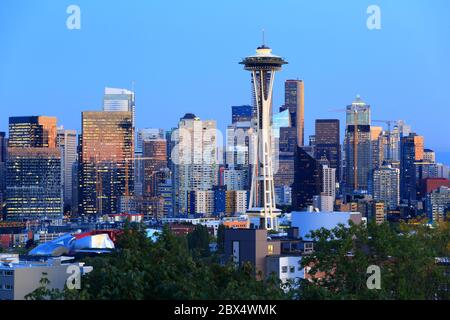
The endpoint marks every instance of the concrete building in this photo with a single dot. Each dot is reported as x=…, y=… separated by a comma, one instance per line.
x=386, y=186
x=66, y=141
x=379, y=212
x=438, y=204
x=195, y=158
x=20, y=278
x=324, y=203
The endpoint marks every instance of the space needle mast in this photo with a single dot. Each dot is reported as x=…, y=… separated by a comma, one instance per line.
x=263, y=66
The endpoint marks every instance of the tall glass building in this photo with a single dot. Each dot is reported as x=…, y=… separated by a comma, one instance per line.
x=33, y=184
x=327, y=143
x=106, y=161
x=122, y=100
x=66, y=141
x=357, y=148
x=32, y=132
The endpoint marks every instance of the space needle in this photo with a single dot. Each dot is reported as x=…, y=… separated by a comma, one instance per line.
x=263, y=66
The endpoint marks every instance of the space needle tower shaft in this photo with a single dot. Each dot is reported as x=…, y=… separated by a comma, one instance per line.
x=263, y=66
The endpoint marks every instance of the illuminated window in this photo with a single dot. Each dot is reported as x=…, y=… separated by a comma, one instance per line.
x=270, y=249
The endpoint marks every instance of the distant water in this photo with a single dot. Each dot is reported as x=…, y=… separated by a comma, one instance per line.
x=443, y=157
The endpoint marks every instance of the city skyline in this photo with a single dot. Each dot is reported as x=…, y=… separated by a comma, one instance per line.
x=320, y=65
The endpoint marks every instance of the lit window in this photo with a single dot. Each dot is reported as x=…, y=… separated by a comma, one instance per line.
x=270, y=249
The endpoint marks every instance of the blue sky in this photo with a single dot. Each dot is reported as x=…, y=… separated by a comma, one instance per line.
x=183, y=56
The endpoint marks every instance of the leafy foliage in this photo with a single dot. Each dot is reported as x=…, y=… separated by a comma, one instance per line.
x=407, y=260
x=182, y=268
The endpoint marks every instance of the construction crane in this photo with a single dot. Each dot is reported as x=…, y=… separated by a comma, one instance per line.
x=389, y=124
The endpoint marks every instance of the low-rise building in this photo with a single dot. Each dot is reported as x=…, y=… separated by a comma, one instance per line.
x=20, y=278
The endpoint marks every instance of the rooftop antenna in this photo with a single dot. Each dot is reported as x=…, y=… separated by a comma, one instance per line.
x=263, y=37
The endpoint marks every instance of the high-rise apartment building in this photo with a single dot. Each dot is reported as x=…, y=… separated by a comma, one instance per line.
x=438, y=204
x=194, y=157
x=386, y=186
x=106, y=161
x=66, y=141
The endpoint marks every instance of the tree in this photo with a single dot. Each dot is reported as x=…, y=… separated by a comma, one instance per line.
x=43, y=292
x=198, y=241
x=406, y=260
x=167, y=269
x=221, y=239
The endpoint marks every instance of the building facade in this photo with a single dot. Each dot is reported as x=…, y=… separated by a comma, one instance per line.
x=106, y=161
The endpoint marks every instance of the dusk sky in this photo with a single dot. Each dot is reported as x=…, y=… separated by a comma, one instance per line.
x=183, y=57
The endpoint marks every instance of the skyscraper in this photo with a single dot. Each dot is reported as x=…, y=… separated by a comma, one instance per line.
x=143, y=134
x=294, y=94
x=106, y=162
x=327, y=143
x=386, y=186
x=241, y=113
x=263, y=66
x=155, y=159
x=3, y=154
x=66, y=141
x=308, y=179
x=122, y=100
x=412, y=151
x=194, y=157
x=357, y=147
x=33, y=184
x=32, y=132
x=33, y=169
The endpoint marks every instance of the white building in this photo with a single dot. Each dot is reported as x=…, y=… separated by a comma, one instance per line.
x=204, y=202
x=235, y=179
x=195, y=158
x=20, y=278
x=66, y=141
x=386, y=186
x=286, y=268
x=324, y=203
x=240, y=201
x=329, y=181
